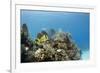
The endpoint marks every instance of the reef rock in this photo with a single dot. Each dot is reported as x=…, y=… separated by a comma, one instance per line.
x=48, y=46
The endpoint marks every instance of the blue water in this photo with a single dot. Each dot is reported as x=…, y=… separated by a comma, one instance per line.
x=77, y=23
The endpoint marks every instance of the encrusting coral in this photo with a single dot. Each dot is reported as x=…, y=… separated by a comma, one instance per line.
x=48, y=46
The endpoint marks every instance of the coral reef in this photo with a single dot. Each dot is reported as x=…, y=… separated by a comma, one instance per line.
x=49, y=45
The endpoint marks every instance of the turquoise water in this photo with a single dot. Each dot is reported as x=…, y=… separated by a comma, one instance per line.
x=77, y=23
x=85, y=55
